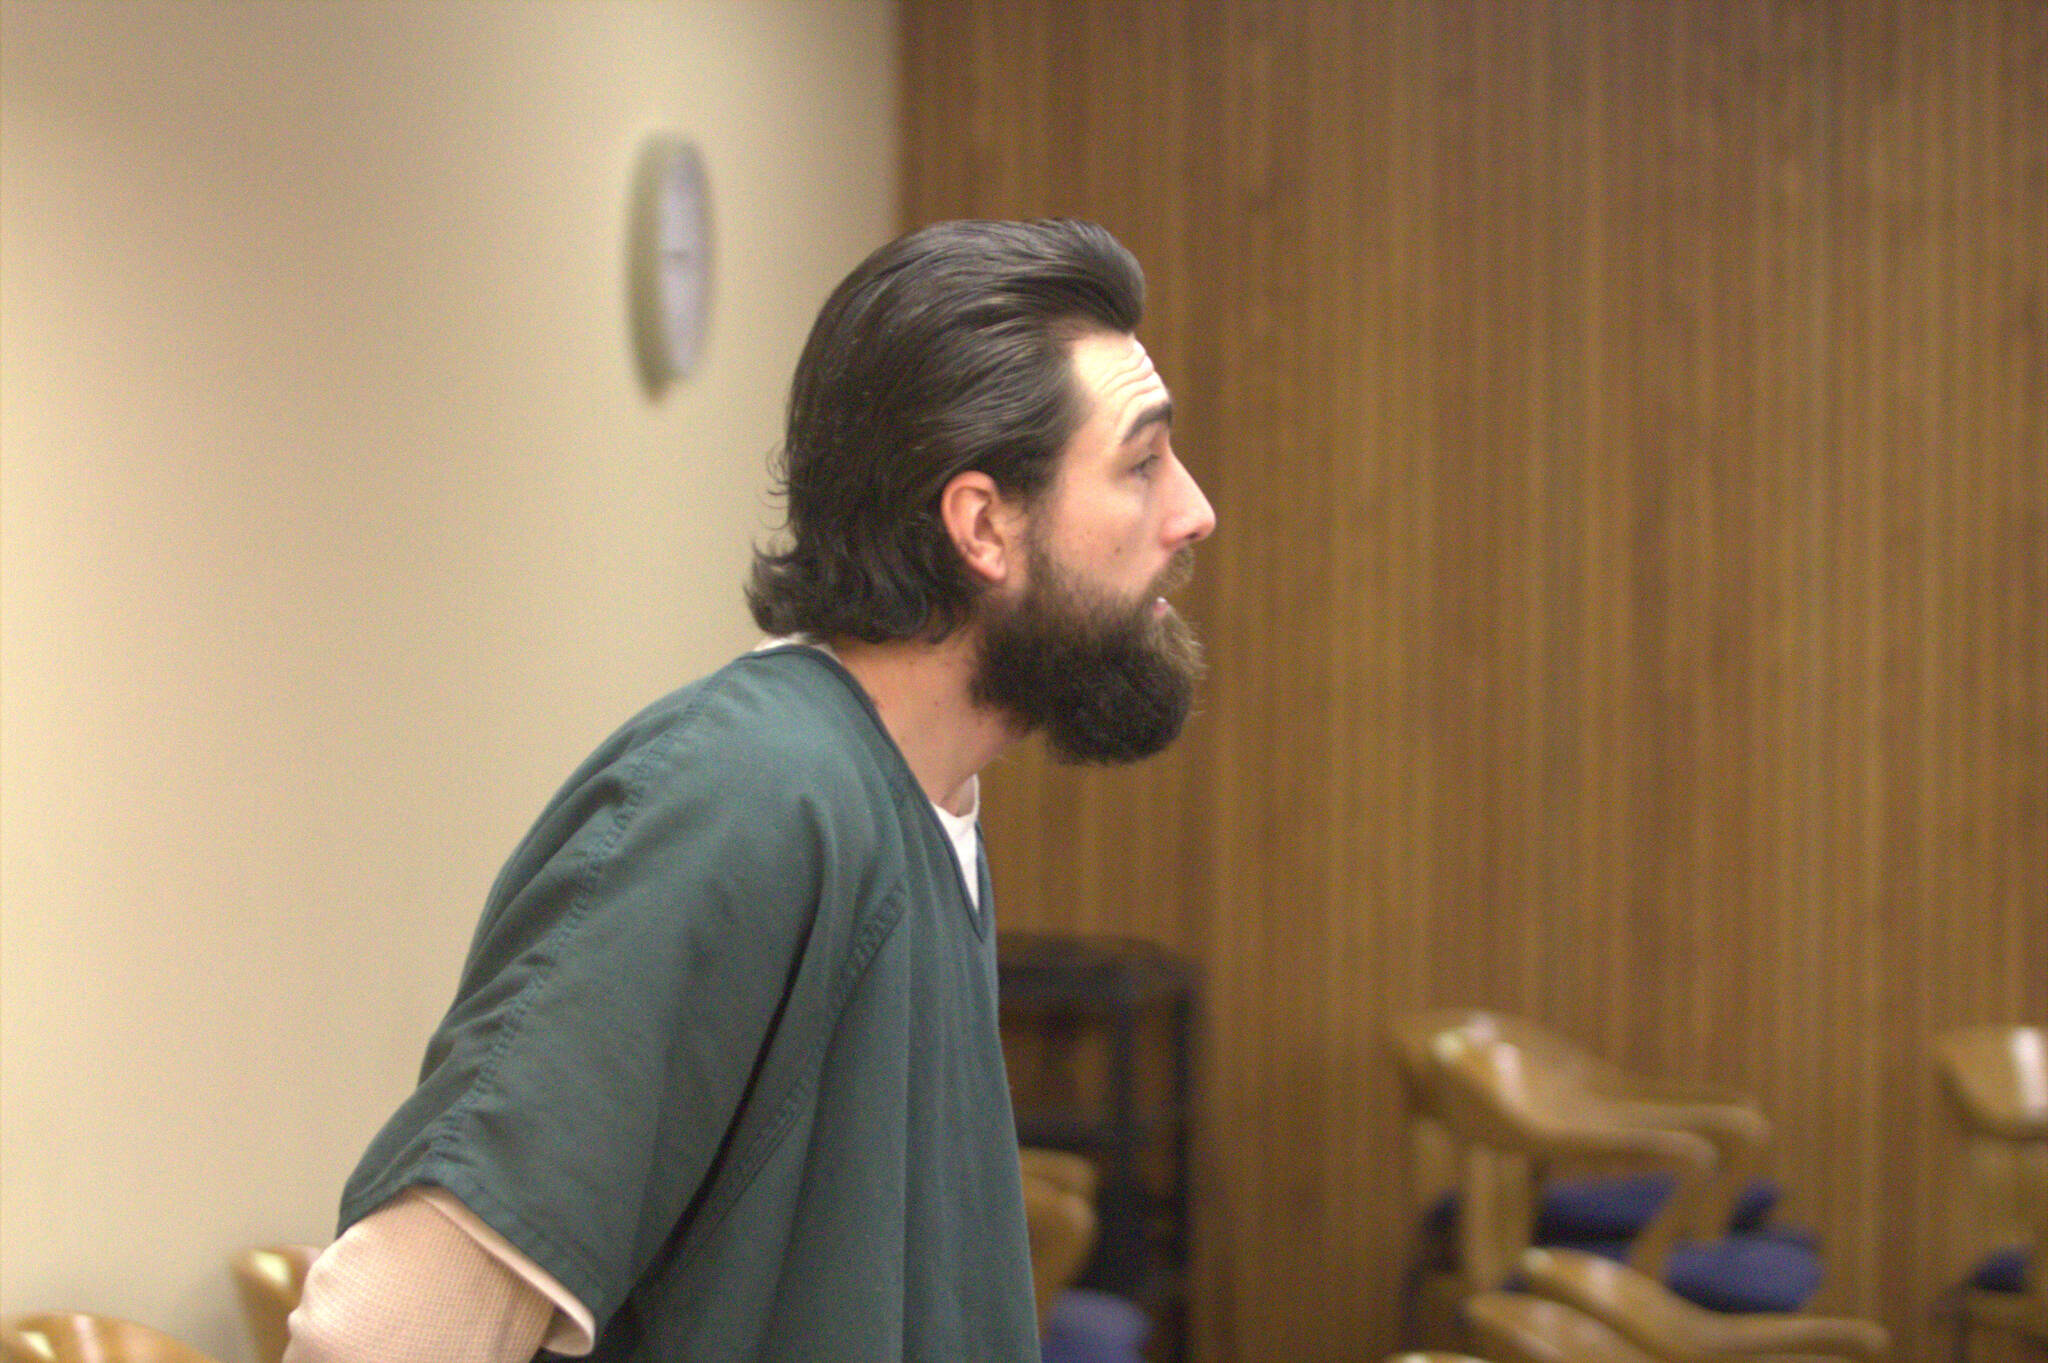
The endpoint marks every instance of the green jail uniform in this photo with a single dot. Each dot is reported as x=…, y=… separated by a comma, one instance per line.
x=724, y=1058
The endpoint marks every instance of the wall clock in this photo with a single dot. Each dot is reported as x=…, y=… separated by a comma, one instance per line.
x=671, y=259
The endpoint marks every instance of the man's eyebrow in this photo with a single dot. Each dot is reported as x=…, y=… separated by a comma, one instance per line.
x=1159, y=413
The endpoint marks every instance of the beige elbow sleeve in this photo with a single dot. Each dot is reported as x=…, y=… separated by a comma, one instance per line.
x=407, y=1285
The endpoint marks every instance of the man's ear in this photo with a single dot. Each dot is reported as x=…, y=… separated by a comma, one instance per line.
x=985, y=527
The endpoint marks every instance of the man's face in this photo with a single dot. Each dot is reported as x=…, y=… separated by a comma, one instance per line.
x=1089, y=648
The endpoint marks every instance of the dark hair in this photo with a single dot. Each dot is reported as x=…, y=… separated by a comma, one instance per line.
x=944, y=351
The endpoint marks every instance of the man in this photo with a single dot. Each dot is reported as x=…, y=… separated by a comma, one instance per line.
x=723, y=1078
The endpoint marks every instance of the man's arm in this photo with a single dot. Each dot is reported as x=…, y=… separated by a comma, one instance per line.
x=421, y=1280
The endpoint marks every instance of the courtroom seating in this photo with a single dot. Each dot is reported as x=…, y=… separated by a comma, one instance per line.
x=1532, y=1123
x=268, y=1280
x=1076, y=1325
x=1996, y=1079
x=1618, y=1204
x=74, y=1337
x=1059, y=1214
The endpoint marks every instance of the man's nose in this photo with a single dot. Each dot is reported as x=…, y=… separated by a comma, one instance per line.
x=1193, y=518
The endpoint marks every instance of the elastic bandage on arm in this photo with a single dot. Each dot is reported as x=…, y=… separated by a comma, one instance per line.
x=411, y=1283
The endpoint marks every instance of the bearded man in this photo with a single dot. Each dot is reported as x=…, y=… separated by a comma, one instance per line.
x=723, y=1079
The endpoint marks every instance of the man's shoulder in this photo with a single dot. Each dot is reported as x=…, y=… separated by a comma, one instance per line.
x=780, y=726
x=760, y=769
x=777, y=702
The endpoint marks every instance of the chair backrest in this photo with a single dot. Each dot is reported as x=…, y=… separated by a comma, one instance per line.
x=1549, y=1054
x=73, y=1337
x=1996, y=1078
x=1467, y=1143
x=269, y=1280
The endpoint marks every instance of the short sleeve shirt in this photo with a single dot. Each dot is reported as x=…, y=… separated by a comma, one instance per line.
x=725, y=1059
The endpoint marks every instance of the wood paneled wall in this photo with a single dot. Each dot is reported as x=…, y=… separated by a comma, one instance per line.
x=1629, y=428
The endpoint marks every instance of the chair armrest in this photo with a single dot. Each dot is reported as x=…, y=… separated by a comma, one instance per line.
x=1667, y=1325
x=1725, y=1124
x=1820, y=1336
x=1739, y=1134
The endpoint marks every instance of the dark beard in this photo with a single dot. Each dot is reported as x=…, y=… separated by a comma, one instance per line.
x=1106, y=681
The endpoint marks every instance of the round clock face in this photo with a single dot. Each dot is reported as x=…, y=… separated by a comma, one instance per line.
x=672, y=266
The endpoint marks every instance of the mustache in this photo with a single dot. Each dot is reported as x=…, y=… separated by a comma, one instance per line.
x=1177, y=573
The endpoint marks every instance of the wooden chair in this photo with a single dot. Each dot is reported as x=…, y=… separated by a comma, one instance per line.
x=1996, y=1078
x=1059, y=1214
x=1513, y=1328
x=269, y=1279
x=71, y=1337
x=1666, y=1325
x=1522, y=1109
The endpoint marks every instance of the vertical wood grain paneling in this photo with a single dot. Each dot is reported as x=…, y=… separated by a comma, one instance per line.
x=1628, y=421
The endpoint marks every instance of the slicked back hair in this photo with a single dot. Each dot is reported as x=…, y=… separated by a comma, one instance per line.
x=945, y=351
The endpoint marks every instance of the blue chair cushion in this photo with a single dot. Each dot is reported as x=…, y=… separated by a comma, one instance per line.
x=1765, y=1272
x=1618, y=1207
x=1790, y=1235
x=1745, y=1273
x=2003, y=1271
x=1614, y=1208
x=1093, y=1327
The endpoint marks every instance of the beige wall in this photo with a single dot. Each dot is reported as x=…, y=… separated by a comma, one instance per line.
x=336, y=530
